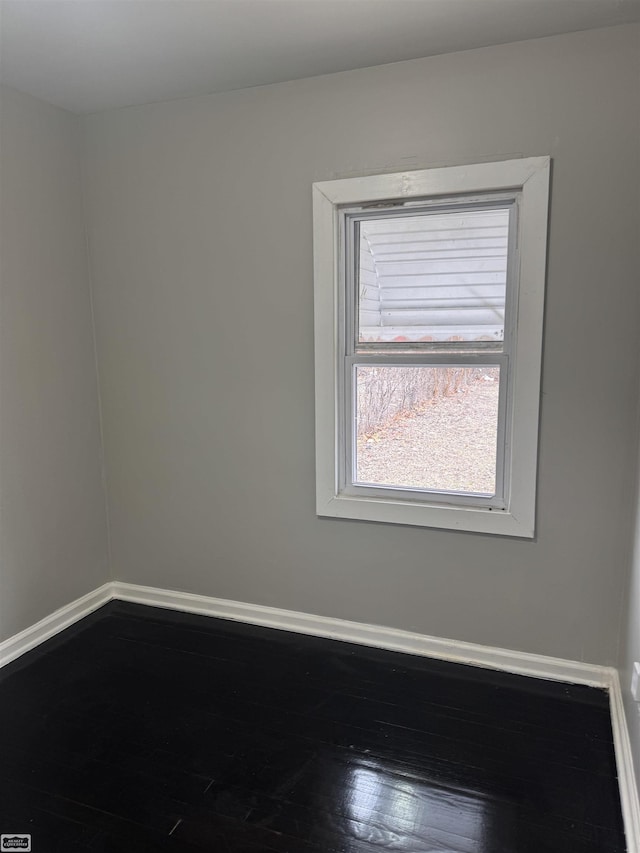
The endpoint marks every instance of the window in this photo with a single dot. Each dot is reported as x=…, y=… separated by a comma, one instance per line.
x=429, y=291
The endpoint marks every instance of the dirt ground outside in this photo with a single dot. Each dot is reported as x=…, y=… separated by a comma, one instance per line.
x=447, y=442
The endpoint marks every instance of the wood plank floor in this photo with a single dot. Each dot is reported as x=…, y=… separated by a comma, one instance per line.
x=141, y=730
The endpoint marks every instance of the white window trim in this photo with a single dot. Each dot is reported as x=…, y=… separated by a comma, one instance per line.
x=529, y=177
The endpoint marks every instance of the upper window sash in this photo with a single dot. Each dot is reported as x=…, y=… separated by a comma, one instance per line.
x=485, y=293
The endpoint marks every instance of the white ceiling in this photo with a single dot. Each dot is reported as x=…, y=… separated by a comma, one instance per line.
x=90, y=55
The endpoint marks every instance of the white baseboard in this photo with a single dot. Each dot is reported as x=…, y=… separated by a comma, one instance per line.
x=379, y=636
x=627, y=784
x=523, y=663
x=54, y=623
x=394, y=639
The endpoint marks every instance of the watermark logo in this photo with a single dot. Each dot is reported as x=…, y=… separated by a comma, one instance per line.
x=15, y=842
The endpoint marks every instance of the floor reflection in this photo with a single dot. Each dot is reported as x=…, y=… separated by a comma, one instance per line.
x=400, y=813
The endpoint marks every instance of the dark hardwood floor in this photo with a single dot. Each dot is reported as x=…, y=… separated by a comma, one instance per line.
x=147, y=730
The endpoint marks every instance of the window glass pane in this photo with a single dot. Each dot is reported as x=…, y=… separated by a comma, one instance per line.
x=433, y=276
x=433, y=428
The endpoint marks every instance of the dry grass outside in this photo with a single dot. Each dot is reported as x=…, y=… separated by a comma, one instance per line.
x=439, y=441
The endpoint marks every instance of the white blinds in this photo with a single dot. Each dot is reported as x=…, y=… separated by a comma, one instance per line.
x=433, y=276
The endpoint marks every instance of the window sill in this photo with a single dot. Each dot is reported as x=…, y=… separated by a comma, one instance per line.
x=415, y=514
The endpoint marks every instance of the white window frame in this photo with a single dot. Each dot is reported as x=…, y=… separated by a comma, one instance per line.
x=526, y=179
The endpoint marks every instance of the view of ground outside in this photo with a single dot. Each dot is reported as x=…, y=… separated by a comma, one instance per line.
x=428, y=427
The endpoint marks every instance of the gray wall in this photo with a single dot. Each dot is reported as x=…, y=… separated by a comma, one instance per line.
x=52, y=518
x=201, y=246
